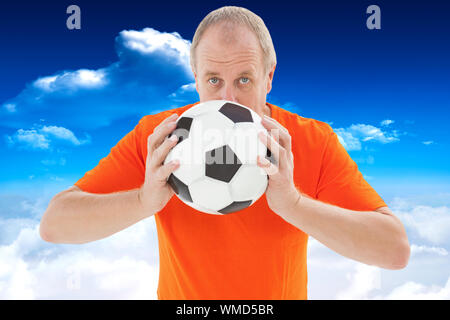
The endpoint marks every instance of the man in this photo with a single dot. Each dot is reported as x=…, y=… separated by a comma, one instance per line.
x=260, y=252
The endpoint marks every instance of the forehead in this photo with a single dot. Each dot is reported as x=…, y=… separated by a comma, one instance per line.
x=225, y=45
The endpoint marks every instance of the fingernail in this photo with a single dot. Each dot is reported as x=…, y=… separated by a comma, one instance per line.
x=263, y=160
x=173, y=137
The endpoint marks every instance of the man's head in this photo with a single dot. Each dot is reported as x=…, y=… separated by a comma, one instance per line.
x=233, y=58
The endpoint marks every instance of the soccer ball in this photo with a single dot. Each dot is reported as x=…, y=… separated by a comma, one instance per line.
x=217, y=148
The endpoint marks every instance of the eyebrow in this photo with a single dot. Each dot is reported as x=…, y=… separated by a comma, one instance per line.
x=243, y=73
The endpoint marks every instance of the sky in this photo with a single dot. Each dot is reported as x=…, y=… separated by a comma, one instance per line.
x=68, y=96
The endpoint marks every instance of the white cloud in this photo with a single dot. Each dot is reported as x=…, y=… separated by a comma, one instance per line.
x=186, y=93
x=331, y=276
x=123, y=266
x=89, y=78
x=150, y=41
x=151, y=66
x=72, y=80
x=386, y=122
x=416, y=291
x=363, y=280
x=42, y=137
x=427, y=143
x=61, y=133
x=367, y=132
x=348, y=141
x=45, y=83
x=431, y=224
x=415, y=249
x=352, y=137
x=29, y=138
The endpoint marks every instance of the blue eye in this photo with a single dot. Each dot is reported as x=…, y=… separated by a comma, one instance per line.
x=213, y=80
x=244, y=80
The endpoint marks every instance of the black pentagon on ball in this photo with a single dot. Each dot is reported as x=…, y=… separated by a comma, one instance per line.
x=221, y=163
x=179, y=187
x=236, y=113
x=182, y=129
x=235, y=206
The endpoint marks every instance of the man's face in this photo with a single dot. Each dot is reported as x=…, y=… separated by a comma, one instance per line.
x=230, y=66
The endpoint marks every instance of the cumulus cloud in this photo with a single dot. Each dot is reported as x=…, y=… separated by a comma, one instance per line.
x=429, y=223
x=352, y=137
x=348, y=141
x=331, y=276
x=151, y=66
x=61, y=133
x=386, y=122
x=68, y=81
x=41, y=138
x=415, y=249
x=29, y=138
x=125, y=265
x=417, y=291
x=363, y=280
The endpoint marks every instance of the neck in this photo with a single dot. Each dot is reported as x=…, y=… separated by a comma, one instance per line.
x=267, y=111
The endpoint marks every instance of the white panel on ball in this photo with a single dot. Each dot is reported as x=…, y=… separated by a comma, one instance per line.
x=198, y=109
x=210, y=193
x=248, y=182
x=245, y=143
x=190, y=168
x=211, y=130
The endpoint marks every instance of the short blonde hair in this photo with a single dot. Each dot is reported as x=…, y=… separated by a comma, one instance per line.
x=239, y=16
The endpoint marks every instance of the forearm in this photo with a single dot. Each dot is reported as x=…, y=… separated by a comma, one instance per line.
x=370, y=237
x=79, y=217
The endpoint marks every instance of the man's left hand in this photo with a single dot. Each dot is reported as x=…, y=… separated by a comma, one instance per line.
x=281, y=192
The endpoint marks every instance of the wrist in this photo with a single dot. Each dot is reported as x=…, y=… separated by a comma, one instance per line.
x=293, y=198
x=142, y=204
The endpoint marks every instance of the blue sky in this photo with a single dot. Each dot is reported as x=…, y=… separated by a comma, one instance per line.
x=68, y=96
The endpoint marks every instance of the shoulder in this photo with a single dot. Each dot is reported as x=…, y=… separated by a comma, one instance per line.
x=303, y=128
x=148, y=123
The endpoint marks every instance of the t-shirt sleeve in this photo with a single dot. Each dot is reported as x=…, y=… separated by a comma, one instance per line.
x=341, y=183
x=122, y=169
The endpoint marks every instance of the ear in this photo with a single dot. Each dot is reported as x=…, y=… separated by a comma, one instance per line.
x=270, y=78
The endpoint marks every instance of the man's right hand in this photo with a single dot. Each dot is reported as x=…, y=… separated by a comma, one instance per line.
x=156, y=192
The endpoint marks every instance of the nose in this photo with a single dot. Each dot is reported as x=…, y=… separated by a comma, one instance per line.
x=228, y=93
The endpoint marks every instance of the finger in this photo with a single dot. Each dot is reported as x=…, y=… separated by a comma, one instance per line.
x=268, y=166
x=276, y=150
x=160, y=153
x=172, y=117
x=275, y=128
x=158, y=136
x=275, y=133
x=166, y=122
x=164, y=171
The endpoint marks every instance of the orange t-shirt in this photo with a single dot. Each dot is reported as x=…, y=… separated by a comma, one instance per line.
x=251, y=254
